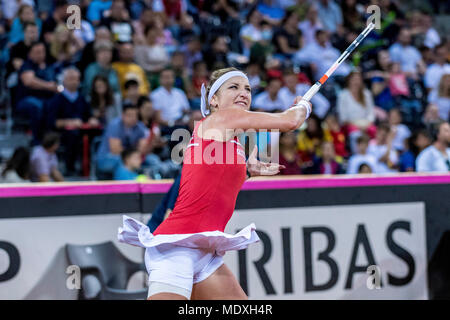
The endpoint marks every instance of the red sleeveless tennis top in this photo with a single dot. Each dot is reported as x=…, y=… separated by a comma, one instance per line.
x=212, y=176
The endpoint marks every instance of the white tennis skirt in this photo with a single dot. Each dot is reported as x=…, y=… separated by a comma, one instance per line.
x=175, y=262
x=136, y=233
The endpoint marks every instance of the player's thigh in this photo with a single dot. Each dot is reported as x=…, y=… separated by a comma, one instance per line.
x=166, y=296
x=220, y=285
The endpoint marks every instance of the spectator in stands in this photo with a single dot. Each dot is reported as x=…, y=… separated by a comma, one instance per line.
x=408, y=56
x=287, y=39
x=19, y=52
x=431, y=117
x=122, y=133
x=192, y=50
x=337, y=136
x=186, y=29
x=164, y=35
x=382, y=149
x=440, y=67
x=126, y=68
x=330, y=15
x=379, y=78
x=139, y=26
x=405, y=98
x=44, y=162
x=170, y=103
x=88, y=56
x=309, y=141
x=289, y=157
x=131, y=95
x=364, y=168
x=270, y=99
x=215, y=55
x=118, y=22
x=355, y=109
x=353, y=15
x=427, y=54
x=402, y=131
x=36, y=85
x=17, y=169
x=361, y=156
x=261, y=51
x=70, y=111
x=152, y=56
x=327, y=163
x=394, y=17
x=9, y=9
x=271, y=11
x=441, y=97
x=398, y=84
x=86, y=32
x=174, y=10
x=101, y=66
x=24, y=15
x=436, y=158
x=64, y=45
x=254, y=74
x=321, y=55
x=431, y=36
x=96, y=9
x=105, y=104
x=300, y=6
x=157, y=148
x=147, y=115
x=199, y=76
x=292, y=88
x=181, y=74
x=310, y=25
x=251, y=32
x=415, y=144
x=58, y=16
x=129, y=166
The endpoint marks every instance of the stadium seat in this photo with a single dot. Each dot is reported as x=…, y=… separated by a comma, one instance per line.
x=105, y=272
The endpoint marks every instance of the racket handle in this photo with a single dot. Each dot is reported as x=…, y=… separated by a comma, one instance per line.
x=311, y=91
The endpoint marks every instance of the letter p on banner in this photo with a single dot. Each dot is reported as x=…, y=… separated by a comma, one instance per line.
x=375, y=17
x=74, y=20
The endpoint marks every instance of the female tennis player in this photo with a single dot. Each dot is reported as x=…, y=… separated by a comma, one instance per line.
x=184, y=256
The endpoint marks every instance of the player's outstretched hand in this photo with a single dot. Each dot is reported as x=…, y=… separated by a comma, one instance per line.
x=258, y=168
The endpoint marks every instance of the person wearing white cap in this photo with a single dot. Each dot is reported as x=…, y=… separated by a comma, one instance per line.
x=184, y=255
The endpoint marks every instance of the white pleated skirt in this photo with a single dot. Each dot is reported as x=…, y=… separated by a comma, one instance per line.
x=136, y=233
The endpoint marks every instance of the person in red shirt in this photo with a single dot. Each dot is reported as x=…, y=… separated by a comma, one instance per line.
x=184, y=253
x=289, y=155
x=337, y=135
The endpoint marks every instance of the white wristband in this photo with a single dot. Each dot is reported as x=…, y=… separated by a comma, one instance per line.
x=305, y=104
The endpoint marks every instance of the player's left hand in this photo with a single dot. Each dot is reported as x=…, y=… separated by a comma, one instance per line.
x=258, y=168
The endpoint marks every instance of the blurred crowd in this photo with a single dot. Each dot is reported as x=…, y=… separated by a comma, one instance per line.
x=104, y=99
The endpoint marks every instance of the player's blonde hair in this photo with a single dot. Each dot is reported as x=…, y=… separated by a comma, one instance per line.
x=214, y=76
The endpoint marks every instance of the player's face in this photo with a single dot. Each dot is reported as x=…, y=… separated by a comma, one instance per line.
x=234, y=92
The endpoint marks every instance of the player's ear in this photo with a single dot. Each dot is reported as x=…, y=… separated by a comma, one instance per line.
x=214, y=101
